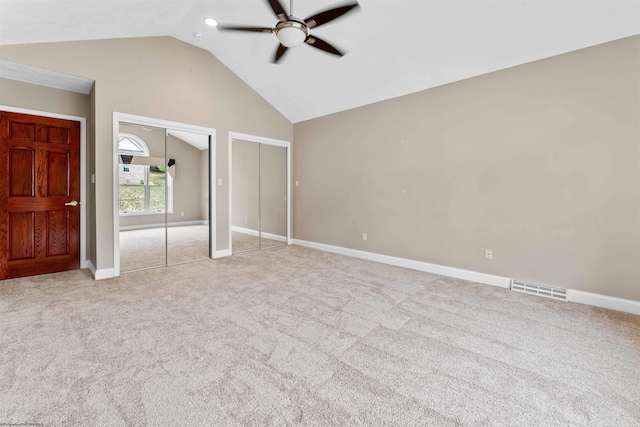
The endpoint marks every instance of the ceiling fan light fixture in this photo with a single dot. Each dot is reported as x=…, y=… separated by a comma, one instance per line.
x=291, y=33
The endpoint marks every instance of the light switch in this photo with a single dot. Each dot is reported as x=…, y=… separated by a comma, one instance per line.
x=219, y=182
x=296, y=182
x=93, y=178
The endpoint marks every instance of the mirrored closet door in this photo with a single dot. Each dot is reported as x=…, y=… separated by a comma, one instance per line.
x=163, y=192
x=259, y=196
x=188, y=220
x=245, y=181
x=142, y=190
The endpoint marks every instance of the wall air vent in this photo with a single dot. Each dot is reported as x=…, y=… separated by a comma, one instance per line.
x=543, y=291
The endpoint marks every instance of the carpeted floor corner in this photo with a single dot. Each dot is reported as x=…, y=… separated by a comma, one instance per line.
x=293, y=336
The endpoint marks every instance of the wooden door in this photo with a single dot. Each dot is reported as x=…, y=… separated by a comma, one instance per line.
x=39, y=189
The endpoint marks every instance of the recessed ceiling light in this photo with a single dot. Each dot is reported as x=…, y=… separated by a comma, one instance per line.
x=211, y=22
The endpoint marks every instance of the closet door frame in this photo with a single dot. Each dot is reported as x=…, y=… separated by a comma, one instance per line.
x=267, y=141
x=159, y=123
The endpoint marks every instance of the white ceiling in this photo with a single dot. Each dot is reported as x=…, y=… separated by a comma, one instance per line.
x=198, y=140
x=395, y=47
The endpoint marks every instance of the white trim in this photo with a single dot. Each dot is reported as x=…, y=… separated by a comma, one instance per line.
x=289, y=176
x=255, y=233
x=604, y=301
x=42, y=77
x=213, y=191
x=84, y=262
x=91, y=268
x=230, y=180
x=168, y=125
x=458, y=273
x=267, y=141
x=259, y=139
x=221, y=253
x=580, y=297
x=161, y=225
x=105, y=273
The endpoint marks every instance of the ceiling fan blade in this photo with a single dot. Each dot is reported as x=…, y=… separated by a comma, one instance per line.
x=278, y=9
x=322, y=45
x=329, y=15
x=252, y=29
x=281, y=51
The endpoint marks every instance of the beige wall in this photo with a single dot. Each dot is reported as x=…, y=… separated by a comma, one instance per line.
x=259, y=187
x=188, y=184
x=163, y=78
x=540, y=163
x=41, y=98
x=35, y=97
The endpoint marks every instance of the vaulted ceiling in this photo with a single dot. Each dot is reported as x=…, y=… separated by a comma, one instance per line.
x=394, y=47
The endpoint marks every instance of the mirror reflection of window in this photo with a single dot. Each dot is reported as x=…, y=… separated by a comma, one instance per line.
x=131, y=145
x=143, y=188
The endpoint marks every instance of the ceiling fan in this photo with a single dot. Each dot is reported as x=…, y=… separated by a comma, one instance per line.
x=292, y=31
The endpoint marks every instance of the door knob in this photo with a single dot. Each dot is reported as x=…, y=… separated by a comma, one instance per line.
x=72, y=203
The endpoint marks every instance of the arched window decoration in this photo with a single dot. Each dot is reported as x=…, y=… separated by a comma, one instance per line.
x=131, y=145
x=145, y=187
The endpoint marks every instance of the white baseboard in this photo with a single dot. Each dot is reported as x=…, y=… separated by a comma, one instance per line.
x=458, y=273
x=91, y=268
x=103, y=273
x=161, y=225
x=221, y=253
x=255, y=233
x=587, y=298
x=604, y=301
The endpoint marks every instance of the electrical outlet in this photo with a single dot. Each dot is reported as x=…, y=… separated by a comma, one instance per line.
x=488, y=254
x=364, y=236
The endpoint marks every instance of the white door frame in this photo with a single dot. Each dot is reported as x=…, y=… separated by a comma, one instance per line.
x=159, y=123
x=268, y=141
x=84, y=262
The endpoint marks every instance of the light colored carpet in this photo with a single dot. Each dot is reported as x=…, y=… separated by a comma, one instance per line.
x=301, y=337
x=187, y=243
x=145, y=248
x=244, y=242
